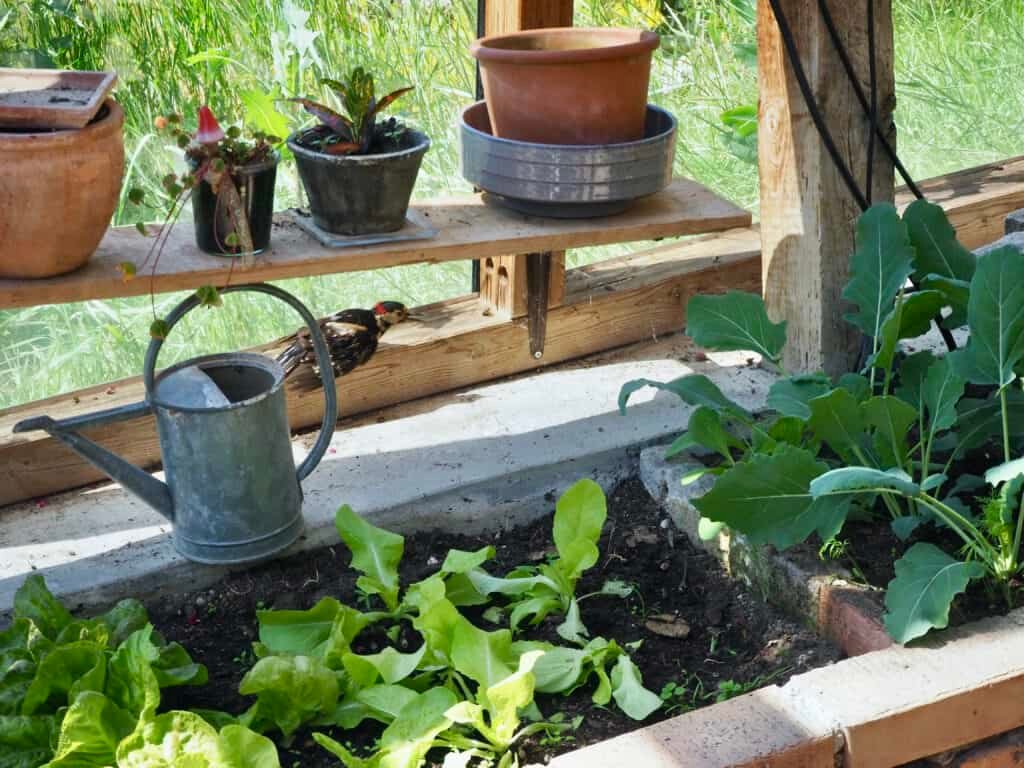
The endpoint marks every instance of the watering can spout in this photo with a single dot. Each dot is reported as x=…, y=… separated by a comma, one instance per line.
x=133, y=479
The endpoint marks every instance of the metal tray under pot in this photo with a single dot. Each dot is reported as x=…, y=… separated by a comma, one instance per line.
x=567, y=181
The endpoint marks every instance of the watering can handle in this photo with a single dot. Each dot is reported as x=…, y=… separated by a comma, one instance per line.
x=323, y=359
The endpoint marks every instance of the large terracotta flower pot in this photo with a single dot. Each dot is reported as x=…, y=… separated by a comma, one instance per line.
x=58, y=190
x=567, y=85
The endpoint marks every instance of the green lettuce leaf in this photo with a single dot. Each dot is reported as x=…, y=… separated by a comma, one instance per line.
x=291, y=691
x=375, y=552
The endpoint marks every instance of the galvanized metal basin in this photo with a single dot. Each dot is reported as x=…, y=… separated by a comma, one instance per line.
x=567, y=181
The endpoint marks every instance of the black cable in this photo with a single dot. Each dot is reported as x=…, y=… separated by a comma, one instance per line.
x=858, y=91
x=873, y=113
x=812, y=106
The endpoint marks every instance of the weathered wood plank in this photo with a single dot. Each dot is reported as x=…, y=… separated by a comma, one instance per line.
x=467, y=229
x=607, y=305
x=807, y=212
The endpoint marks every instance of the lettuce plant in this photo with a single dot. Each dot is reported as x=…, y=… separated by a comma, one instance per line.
x=890, y=439
x=461, y=688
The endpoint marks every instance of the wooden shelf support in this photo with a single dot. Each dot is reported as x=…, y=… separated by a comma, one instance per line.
x=504, y=284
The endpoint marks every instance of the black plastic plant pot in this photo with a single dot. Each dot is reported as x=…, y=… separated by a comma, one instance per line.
x=213, y=221
x=360, y=194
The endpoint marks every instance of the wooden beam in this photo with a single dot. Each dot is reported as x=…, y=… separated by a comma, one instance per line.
x=607, y=305
x=457, y=345
x=807, y=212
x=467, y=229
x=503, y=286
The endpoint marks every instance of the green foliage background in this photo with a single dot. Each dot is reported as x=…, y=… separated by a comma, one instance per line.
x=956, y=63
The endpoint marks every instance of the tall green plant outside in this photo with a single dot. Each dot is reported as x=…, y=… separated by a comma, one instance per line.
x=890, y=440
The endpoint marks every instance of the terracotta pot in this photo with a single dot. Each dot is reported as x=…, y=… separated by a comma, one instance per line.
x=58, y=190
x=566, y=85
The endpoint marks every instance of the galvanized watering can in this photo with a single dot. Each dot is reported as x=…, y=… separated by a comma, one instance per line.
x=232, y=489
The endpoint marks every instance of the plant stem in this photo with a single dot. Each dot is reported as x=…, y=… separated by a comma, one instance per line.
x=975, y=541
x=1006, y=425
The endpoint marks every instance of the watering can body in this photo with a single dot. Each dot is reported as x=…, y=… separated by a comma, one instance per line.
x=232, y=490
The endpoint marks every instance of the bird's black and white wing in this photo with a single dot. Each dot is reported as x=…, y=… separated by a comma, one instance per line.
x=351, y=338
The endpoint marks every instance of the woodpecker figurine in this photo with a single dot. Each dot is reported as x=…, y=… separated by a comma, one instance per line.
x=351, y=335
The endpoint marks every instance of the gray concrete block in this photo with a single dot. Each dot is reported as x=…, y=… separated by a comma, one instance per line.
x=1014, y=240
x=1015, y=222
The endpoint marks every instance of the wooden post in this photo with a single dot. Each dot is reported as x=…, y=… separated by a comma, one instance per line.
x=503, y=283
x=808, y=214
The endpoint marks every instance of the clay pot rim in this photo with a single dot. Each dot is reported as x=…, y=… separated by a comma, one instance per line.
x=474, y=109
x=421, y=145
x=622, y=43
x=47, y=140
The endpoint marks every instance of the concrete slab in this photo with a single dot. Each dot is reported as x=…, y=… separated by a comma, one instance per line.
x=472, y=460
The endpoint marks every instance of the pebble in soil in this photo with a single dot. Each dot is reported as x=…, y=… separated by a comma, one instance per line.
x=701, y=631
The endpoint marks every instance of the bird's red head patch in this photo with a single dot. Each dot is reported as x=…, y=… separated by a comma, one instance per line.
x=387, y=307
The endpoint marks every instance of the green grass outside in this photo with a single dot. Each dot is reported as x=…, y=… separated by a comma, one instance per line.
x=960, y=103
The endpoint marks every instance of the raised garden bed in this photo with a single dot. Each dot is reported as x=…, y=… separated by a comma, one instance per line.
x=697, y=636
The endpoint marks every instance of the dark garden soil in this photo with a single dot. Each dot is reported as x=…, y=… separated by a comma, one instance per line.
x=871, y=549
x=710, y=630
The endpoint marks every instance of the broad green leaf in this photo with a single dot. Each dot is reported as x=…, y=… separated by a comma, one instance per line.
x=261, y=114
x=824, y=516
x=131, y=682
x=857, y=385
x=940, y=392
x=905, y=525
x=912, y=373
x=34, y=601
x=17, y=672
x=937, y=250
x=375, y=552
x=385, y=702
x=238, y=747
x=617, y=588
x=762, y=496
x=629, y=693
x=881, y=263
x=708, y=530
x=291, y=690
x=792, y=396
x=995, y=315
x=579, y=517
x=559, y=669
x=891, y=418
x=695, y=389
x=681, y=444
x=436, y=618
x=489, y=585
x=979, y=421
x=863, y=480
x=484, y=657
x=534, y=608
x=171, y=740
x=572, y=629
x=458, y=561
x=927, y=580
x=123, y=619
x=957, y=295
x=911, y=318
x=735, y=322
x=174, y=667
x=92, y=728
x=507, y=697
x=25, y=742
x=63, y=674
x=407, y=740
x=298, y=632
x=836, y=419
x=390, y=665
x=706, y=428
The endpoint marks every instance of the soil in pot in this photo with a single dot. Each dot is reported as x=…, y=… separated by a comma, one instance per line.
x=699, y=629
x=567, y=85
x=213, y=220
x=360, y=194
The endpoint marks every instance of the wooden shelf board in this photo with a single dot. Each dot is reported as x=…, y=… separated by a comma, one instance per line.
x=467, y=229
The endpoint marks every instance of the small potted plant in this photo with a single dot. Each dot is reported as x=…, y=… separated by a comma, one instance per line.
x=231, y=182
x=358, y=173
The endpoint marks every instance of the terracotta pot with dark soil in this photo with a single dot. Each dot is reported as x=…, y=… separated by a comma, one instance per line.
x=567, y=86
x=58, y=191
